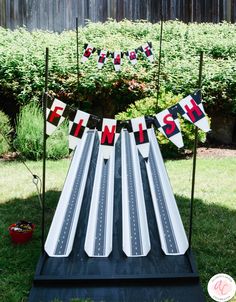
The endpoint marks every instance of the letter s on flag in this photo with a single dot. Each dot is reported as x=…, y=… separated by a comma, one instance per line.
x=169, y=122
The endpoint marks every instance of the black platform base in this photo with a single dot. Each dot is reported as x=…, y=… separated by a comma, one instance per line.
x=181, y=286
x=117, y=278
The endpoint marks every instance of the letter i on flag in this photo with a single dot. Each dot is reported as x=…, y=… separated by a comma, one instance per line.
x=168, y=124
x=77, y=127
x=147, y=49
x=139, y=130
x=56, y=113
x=108, y=137
x=193, y=111
x=89, y=49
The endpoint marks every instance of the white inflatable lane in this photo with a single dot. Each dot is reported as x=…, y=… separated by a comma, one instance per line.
x=62, y=231
x=98, y=241
x=171, y=230
x=135, y=234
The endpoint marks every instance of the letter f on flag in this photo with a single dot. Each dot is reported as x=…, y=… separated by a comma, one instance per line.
x=55, y=115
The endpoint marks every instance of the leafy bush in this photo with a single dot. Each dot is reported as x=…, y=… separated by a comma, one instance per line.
x=5, y=130
x=29, y=135
x=106, y=92
x=150, y=106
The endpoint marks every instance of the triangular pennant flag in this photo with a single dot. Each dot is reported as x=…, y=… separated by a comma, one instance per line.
x=108, y=136
x=193, y=111
x=132, y=55
x=168, y=124
x=117, y=60
x=102, y=55
x=139, y=130
x=123, y=124
x=56, y=113
x=77, y=127
x=147, y=49
x=89, y=49
x=93, y=122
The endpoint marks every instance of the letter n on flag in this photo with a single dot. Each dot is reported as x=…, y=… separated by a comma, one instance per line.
x=56, y=113
x=77, y=127
x=194, y=111
x=108, y=137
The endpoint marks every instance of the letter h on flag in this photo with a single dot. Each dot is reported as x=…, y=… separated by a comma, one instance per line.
x=193, y=111
x=56, y=113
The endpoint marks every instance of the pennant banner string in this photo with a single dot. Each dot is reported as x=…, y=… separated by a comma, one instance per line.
x=166, y=121
x=117, y=56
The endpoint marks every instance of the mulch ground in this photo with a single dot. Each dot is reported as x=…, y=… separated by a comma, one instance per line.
x=216, y=152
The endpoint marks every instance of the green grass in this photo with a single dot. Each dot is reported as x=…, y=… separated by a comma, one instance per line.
x=214, y=226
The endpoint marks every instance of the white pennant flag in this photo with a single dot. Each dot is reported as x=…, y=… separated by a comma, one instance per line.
x=132, y=55
x=87, y=52
x=169, y=125
x=77, y=127
x=55, y=115
x=193, y=111
x=102, y=57
x=139, y=130
x=108, y=136
x=147, y=49
x=117, y=60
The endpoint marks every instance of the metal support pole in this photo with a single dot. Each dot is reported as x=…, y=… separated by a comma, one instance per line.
x=195, y=158
x=159, y=58
x=44, y=146
x=77, y=58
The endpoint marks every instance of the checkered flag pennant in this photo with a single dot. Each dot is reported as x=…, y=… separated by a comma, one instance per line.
x=147, y=49
x=78, y=121
x=139, y=130
x=168, y=124
x=56, y=113
x=193, y=111
x=102, y=58
x=88, y=50
x=108, y=136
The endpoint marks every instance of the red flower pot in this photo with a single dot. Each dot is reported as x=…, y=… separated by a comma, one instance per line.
x=21, y=235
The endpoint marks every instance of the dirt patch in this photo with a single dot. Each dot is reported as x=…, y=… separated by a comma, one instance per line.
x=9, y=156
x=216, y=152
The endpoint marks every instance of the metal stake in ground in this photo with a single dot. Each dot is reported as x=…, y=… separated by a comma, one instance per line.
x=195, y=156
x=44, y=144
x=159, y=59
x=77, y=57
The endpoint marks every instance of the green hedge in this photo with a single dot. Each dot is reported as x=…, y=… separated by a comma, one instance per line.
x=5, y=131
x=106, y=92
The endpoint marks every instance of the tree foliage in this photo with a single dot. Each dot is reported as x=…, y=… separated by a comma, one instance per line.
x=106, y=92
